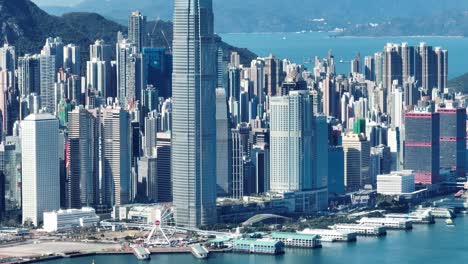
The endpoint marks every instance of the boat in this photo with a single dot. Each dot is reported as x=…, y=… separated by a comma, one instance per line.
x=199, y=251
x=449, y=222
x=141, y=253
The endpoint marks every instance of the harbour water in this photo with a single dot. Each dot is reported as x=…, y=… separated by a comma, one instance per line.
x=299, y=47
x=428, y=244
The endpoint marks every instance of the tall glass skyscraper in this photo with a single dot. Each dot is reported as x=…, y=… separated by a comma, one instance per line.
x=194, y=114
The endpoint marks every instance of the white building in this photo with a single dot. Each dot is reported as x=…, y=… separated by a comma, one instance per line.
x=291, y=142
x=395, y=183
x=62, y=220
x=40, y=179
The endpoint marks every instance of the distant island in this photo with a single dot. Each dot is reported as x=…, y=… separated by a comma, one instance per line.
x=352, y=18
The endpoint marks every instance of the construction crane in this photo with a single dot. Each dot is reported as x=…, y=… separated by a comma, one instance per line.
x=162, y=33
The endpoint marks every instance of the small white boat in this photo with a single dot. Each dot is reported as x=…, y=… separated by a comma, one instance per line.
x=449, y=222
x=141, y=253
x=199, y=251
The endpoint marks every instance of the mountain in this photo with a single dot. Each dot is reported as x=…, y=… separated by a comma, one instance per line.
x=291, y=15
x=26, y=26
x=459, y=84
x=447, y=23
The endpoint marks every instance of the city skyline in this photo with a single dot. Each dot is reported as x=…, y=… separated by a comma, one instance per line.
x=160, y=137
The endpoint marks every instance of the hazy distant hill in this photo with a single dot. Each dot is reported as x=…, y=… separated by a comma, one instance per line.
x=26, y=26
x=296, y=15
x=460, y=84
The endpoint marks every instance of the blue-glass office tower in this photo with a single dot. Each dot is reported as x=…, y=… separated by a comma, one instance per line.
x=194, y=114
x=158, y=70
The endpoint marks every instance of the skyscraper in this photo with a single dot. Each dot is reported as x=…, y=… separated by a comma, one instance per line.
x=453, y=139
x=54, y=47
x=369, y=68
x=356, y=150
x=291, y=142
x=422, y=145
x=48, y=77
x=28, y=74
x=115, y=155
x=98, y=72
x=7, y=58
x=240, y=148
x=82, y=156
x=407, y=59
x=194, y=113
x=442, y=68
x=271, y=75
x=392, y=66
x=130, y=72
x=158, y=70
x=40, y=179
x=223, y=143
x=137, y=30
x=71, y=59
x=378, y=62
x=426, y=67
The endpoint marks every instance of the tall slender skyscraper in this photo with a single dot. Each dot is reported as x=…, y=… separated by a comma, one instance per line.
x=442, y=68
x=82, y=157
x=47, y=81
x=407, y=59
x=136, y=30
x=194, y=113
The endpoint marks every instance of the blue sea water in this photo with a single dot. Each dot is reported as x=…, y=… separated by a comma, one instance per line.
x=300, y=46
x=425, y=244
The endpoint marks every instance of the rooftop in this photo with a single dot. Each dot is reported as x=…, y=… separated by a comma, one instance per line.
x=39, y=117
x=293, y=236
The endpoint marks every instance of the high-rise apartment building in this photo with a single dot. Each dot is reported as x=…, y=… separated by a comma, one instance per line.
x=40, y=175
x=99, y=70
x=54, y=47
x=7, y=58
x=426, y=67
x=29, y=74
x=72, y=59
x=442, y=68
x=47, y=83
x=137, y=30
x=392, y=66
x=130, y=74
x=408, y=62
x=369, y=68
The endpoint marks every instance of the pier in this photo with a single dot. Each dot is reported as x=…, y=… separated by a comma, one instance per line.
x=361, y=229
